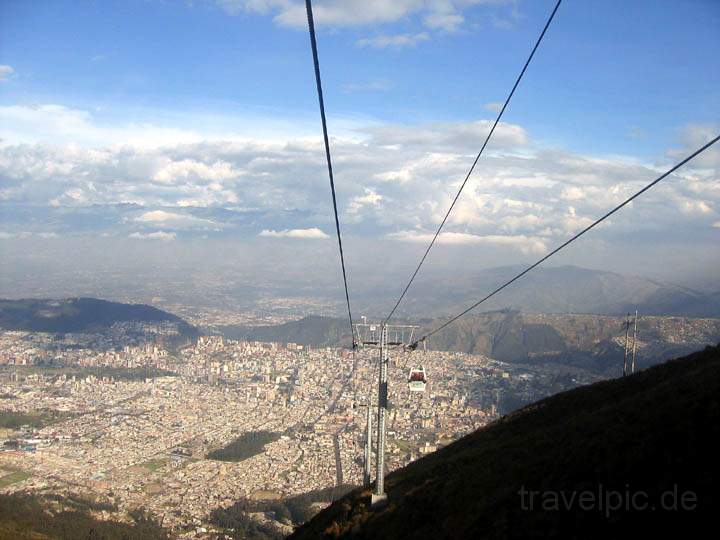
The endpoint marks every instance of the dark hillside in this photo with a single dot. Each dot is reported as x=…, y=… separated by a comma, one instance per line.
x=80, y=315
x=648, y=439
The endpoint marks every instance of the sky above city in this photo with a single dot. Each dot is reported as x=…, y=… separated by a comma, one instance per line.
x=164, y=125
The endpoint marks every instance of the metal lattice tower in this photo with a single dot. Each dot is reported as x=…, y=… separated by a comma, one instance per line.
x=380, y=497
x=376, y=336
x=633, y=366
x=625, y=355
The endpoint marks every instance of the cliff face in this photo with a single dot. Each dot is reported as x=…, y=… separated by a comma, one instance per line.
x=632, y=456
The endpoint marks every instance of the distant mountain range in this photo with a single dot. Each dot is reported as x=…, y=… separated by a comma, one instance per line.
x=81, y=315
x=645, y=441
x=590, y=341
x=565, y=289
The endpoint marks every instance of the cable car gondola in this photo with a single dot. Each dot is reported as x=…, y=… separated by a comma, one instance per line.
x=417, y=379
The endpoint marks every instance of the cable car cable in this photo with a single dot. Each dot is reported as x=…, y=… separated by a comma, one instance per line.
x=566, y=243
x=313, y=43
x=477, y=158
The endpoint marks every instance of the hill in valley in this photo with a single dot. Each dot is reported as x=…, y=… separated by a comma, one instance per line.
x=81, y=315
x=631, y=457
x=313, y=330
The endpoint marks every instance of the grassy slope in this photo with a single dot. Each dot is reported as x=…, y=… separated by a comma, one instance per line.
x=29, y=517
x=650, y=431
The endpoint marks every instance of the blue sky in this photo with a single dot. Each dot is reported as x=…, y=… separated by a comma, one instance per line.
x=611, y=77
x=170, y=121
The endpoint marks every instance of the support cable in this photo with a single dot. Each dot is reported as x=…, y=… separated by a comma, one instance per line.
x=566, y=243
x=477, y=158
x=313, y=43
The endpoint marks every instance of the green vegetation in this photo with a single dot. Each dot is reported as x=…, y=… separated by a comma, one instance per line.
x=26, y=517
x=652, y=433
x=239, y=526
x=244, y=447
x=13, y=477
x=38, y=419
x=296, y=510
x=404, y=446
x=154, y=464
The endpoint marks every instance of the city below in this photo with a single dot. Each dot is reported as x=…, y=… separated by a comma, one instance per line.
x=118, y=418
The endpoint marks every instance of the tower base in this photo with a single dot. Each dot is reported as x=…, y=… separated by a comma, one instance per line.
x=378, y=501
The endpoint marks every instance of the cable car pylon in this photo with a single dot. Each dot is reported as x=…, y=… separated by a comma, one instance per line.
x=375, y=336
x=367, y=469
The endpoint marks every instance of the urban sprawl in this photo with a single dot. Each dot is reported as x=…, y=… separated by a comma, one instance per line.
x=82, y=428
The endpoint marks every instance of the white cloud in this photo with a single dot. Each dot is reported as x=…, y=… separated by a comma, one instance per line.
x=394, y=41
x=573, y=193
x=5, y=72
x=695, y=207
x=370, y=198
x=571, y=222
x=56, y=123
x=348, y=12
x=437, y=14
x=522, y=243
x=45, y=235
x=457, y=136
x=157, y=235
x=493, y=106
x=173, y=171
x=313, y=233
x=514, y=223
x=158, y=216
x=372, y=86
x=449, y=22
x=400, y=176
x=696, y=135
x=173, y=220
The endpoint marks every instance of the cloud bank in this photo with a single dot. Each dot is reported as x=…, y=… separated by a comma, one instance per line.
x=393, y=181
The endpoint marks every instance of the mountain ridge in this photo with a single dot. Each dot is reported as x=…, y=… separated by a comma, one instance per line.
x=584, y=340
x=562, y=289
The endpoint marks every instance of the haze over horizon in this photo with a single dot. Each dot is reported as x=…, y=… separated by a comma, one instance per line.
x=194, y=154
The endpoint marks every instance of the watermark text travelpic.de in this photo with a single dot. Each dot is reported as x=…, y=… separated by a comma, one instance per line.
x=608, y=501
